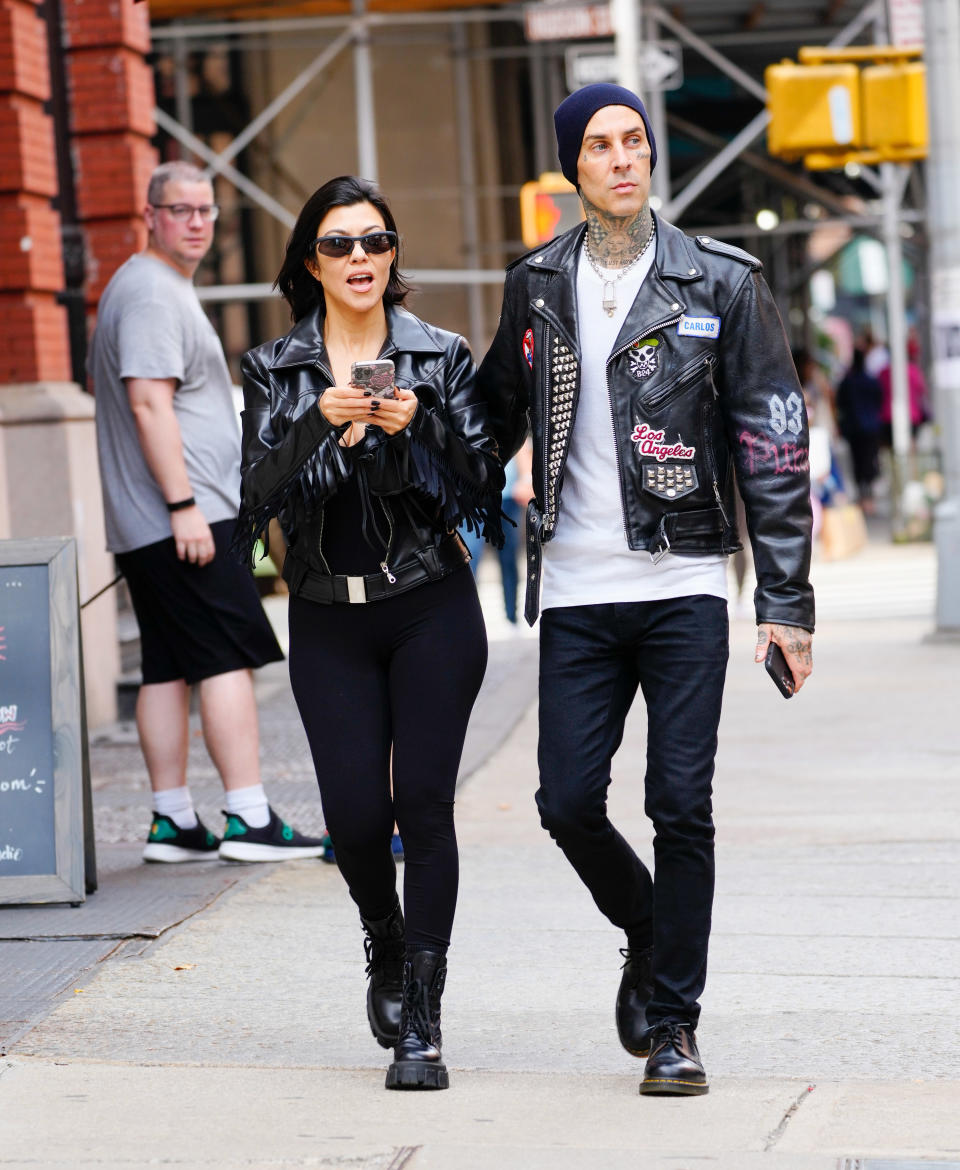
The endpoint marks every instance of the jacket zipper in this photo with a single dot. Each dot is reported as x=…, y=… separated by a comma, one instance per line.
x=707, y=429
x=613, y=420
x=323, y=559
x=664, y=393
x=384, y=564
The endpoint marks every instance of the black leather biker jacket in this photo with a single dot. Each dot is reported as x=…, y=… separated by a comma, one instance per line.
x=701, y=384
x=438, y=472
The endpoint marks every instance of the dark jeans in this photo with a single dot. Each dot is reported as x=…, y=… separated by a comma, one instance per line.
x=592, y=659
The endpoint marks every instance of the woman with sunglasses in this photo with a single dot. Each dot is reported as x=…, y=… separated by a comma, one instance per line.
x=387, y=641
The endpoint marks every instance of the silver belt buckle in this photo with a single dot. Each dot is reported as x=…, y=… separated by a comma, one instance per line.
x=356, y=590
x=661, y=551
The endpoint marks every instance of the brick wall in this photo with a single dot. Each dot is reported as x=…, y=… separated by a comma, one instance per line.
x=33, y=327
x=111, y=106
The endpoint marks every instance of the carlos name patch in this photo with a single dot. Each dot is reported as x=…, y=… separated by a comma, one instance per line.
x=698, y=326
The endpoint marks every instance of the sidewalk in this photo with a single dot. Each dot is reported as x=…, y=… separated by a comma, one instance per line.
x=238, y=1038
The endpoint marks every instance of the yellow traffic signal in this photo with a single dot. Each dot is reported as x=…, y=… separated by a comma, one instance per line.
x=895, y=108
x=812, y=107
x=828, y=111
x=548, y=207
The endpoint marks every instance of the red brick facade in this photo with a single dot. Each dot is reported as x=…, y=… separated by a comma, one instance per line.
x=33, y=327
x=110, y=98
x=111, y=108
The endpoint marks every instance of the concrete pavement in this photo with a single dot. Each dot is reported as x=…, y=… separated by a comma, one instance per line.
x=238, y=1038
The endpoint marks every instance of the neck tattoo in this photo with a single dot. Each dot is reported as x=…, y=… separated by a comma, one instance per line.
x=613, y=242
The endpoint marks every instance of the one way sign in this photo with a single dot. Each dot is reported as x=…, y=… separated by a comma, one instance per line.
x=661, y=66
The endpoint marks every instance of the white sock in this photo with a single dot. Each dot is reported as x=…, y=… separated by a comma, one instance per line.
x=176, y=804
x=249, y=803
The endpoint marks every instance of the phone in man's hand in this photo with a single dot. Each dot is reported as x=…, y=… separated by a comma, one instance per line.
x=776, y=666
x=377, y=376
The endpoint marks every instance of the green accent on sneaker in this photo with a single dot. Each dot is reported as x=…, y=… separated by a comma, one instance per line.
x=211, y=840
x=235, y=827
x=287, y=833
x=162, y=831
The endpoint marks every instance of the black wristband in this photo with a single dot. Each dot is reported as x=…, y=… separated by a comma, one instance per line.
x=181, y=504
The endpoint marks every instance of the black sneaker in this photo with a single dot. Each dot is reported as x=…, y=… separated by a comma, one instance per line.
x=276, y=841
x=166, y=841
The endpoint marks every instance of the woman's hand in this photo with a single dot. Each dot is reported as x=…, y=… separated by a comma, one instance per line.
x=344, y=404
x=392, y=414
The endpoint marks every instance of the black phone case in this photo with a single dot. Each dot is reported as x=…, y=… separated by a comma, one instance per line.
x=776, y=666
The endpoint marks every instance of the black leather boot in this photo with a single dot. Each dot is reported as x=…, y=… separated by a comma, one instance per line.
x=674, y=1067
x=633, y=998
x=417, y=1060
x=385, y=950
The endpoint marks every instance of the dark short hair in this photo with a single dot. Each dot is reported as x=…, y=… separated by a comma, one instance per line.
x=302, y=291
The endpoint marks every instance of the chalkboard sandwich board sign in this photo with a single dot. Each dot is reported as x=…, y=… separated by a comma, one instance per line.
x=42, y=732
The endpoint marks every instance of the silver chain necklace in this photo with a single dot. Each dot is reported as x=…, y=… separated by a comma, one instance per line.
x=610, y=286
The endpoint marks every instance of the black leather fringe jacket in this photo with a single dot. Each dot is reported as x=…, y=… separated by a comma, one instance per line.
x=417, y=486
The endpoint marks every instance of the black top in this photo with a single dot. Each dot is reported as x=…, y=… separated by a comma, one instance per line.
x=345, y=547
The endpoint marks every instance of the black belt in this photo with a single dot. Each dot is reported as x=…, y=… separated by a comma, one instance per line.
x=430, y=564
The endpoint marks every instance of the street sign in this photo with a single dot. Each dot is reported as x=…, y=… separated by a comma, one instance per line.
x=906, y=22
x=573, y=22
x=661, y=66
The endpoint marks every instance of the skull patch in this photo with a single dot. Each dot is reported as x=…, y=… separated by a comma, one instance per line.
x=644, y=357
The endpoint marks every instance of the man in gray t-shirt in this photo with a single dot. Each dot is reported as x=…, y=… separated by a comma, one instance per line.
x=169, y=448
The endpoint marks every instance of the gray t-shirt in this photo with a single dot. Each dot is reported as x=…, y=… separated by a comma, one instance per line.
x=150, y=325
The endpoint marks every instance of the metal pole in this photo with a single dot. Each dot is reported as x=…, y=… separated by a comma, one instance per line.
x=363, y=88
x=896, y=315
x=943, y=181
x=468, y=181
x=626, y=31
x=657, y=109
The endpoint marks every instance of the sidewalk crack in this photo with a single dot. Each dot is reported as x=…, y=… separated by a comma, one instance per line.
x=776, y=1134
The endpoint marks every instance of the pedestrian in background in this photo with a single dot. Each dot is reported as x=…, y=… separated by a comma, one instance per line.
x=387, y=641
x=647, y=365
x=859, y=398
x=169, y=452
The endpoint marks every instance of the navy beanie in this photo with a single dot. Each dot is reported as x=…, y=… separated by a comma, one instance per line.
x=572, y=115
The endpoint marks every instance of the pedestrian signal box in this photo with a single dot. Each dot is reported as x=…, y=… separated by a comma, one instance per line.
x=895, y=108
x=812, y=107
x=549, y=206
x=829, y=111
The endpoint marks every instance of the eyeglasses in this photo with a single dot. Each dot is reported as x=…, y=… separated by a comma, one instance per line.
x=184, y=212
x=373, y=244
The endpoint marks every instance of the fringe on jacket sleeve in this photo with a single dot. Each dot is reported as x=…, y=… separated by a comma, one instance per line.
x=315, y=481
x=460, y=503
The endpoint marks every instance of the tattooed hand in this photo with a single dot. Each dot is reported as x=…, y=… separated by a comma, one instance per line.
x=796, y=644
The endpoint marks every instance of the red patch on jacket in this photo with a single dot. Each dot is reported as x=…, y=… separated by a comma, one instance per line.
x=528, y=347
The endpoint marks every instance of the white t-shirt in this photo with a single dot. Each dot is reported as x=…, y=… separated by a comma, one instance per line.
x=588, y=561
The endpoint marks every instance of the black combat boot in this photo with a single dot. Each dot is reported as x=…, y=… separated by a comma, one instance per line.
x=674, y=1067
x=633, y=998
x=385, y=954
x=417, y=1060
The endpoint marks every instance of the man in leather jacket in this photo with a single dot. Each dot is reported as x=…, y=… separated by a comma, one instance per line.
x=650, y=368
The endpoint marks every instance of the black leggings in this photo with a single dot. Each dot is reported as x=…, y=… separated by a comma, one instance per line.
x=399, y=674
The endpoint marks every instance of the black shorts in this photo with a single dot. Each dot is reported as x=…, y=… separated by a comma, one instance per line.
x=196, y=622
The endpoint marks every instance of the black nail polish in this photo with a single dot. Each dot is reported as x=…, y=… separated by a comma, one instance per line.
x=368, y=393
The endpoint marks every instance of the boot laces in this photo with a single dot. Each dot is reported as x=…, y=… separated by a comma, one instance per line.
x=416, y=998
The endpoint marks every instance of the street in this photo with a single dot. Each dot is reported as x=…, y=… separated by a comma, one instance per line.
x=235, y=1035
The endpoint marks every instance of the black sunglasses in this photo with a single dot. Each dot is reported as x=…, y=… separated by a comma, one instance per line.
x=374, y=244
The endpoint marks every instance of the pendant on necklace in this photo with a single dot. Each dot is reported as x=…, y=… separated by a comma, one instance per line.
x=610, y=297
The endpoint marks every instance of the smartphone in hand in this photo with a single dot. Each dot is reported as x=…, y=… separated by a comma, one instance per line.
x=776, y=666
x=377, y=376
